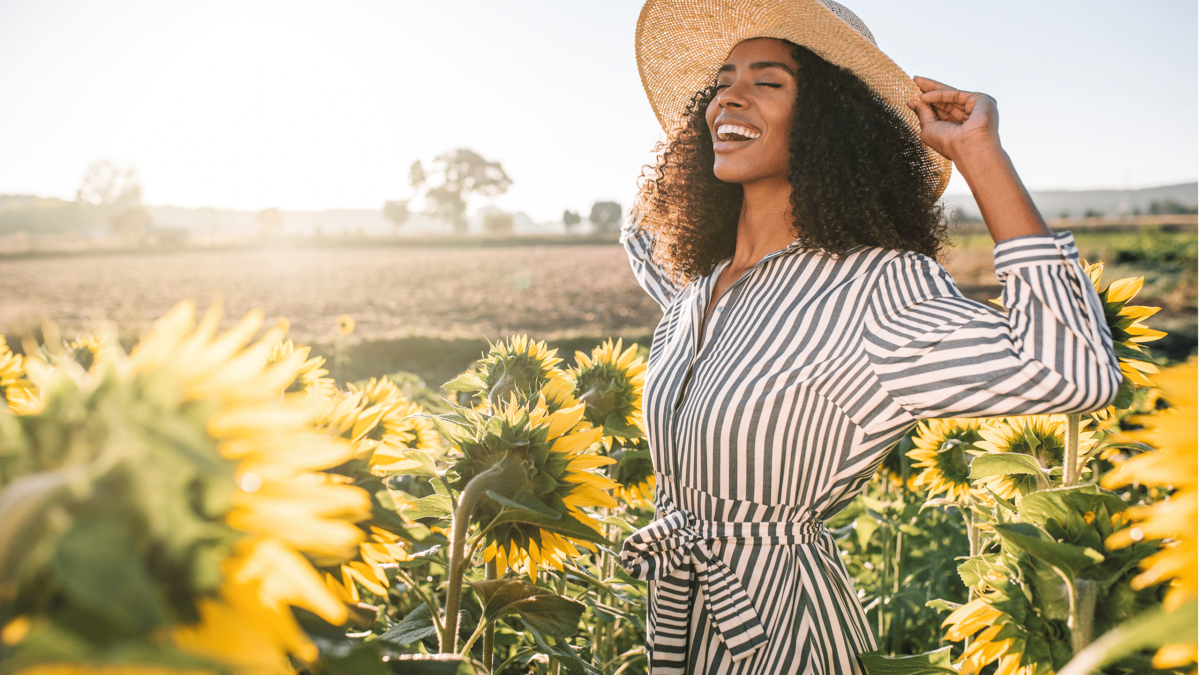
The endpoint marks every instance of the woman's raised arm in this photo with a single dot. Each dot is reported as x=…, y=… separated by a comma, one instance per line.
x=964, y=127
x=638, y=244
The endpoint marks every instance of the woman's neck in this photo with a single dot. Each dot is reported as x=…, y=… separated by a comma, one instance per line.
x=765, y=223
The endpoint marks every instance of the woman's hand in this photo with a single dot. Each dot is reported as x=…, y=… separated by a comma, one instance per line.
x=964, y=127
x=952, y=120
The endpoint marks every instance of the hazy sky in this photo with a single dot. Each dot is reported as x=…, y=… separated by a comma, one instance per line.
x=311, y=105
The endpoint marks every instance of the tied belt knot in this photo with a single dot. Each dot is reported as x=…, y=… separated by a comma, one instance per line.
x=679, y=543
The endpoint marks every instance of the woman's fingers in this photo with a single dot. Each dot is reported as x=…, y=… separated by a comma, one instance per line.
x=925, y=113
x=947, y=96
x=927, y=84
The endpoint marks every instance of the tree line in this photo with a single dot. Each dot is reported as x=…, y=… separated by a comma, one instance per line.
x=454, y=177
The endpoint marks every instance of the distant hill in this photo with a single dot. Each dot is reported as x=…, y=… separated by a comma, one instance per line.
x=1074, y=204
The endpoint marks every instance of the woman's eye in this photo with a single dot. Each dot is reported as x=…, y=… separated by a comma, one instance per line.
x=770, y=84
x=720, y=87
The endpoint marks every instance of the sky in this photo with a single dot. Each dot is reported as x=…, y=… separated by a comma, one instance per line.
x=306, y=105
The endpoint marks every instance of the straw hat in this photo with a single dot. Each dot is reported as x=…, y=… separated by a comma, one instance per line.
x=681, y=43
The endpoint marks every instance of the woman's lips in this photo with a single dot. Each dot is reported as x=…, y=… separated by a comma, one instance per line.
x=728, y=146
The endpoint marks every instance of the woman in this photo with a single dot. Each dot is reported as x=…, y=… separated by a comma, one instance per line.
x=790, y=233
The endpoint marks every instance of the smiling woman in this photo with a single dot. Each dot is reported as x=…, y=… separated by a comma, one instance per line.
x=847, y=169
x=790, y=231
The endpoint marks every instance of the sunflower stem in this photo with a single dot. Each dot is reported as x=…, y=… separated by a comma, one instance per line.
x=1071, y=462
x=458, y=539
x=489, y=633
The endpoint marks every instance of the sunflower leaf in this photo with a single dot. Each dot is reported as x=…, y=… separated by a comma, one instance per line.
x=421, y=557
x=433, y=506
x=524, y=501
x=415, y=627
x=929, y=663
x=545, y=610
x=468, y=381
x=1007, y=464
x=1068, y=558
x=452, y=430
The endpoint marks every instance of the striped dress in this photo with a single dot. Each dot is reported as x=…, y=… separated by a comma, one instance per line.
x=768, y=420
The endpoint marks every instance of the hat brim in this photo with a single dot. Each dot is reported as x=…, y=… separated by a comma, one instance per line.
x=680, y=44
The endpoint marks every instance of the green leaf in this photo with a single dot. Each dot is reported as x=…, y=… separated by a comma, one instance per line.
x=415, y=627
x=24, y=505
x=942, y=605
x=1068, y=558
x=421, y=557
x=468, y=381
x=426, y=464
x=451, y=429
x=619, y=523
x=523, y=501
x=433, y=506
x=570, y=660
x=1005, y=464
x=974, y=570
x=616, y=425
x=98, y=563
x=1150, y=630
x=544, y=610
x=930, y=663
x=431, y=664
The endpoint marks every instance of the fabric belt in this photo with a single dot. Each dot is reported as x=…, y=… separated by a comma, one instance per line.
x=680, y=542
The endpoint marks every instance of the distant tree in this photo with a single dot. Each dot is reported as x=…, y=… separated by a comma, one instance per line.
x=116, y=190
x=270, y=223
x=1092, y=213
x=459, y=175
x=107, y=183
x=416, y=175
x=570, y=219
x=606, y=216
x=1169, y=206
x=1064, y=214
x=498, y=223
x=396, y=212
x=1137, y=210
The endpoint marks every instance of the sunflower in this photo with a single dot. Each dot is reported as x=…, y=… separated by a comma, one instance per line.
x=1042, y=437
x=994, y=634
x=284, y=504
x=1173, y=519
x=383, y=548
x=15, y=389
x=1125, y=322
x=610, y=381
x=223, y=470
x=633, y=472
x=345, y=324
x=311, y=378
x=546, y=468
x=517, y=366
x=941, y=451
x=381, y=423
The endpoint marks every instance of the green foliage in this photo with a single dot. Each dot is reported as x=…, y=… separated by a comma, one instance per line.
x=899, y=558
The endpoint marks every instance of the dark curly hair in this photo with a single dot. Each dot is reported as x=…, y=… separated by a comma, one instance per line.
x=855, y=172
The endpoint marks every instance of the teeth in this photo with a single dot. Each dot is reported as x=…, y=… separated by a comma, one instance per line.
x=735, y=129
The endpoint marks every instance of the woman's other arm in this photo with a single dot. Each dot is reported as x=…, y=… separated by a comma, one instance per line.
x=650, y=276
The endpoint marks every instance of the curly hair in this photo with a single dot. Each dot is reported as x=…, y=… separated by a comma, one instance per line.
x=854, y=168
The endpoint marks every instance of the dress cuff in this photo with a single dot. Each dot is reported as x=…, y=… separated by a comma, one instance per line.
x=629, y=229
x=1032, y=250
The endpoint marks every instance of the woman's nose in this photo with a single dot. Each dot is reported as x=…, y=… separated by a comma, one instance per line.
x=731, y=96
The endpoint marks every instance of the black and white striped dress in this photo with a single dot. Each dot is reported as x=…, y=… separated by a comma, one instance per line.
x=810, y=370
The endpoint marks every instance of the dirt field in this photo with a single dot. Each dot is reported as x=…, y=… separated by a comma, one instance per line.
x=430, y=301
x=390, y=292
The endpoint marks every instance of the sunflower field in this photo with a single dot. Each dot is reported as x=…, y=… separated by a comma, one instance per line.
x=213, y=502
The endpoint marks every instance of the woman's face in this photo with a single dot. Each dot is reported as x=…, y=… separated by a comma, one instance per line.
x=750, y=117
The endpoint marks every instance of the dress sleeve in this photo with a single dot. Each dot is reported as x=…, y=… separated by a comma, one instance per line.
x=939, y=354
x=650, y=276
